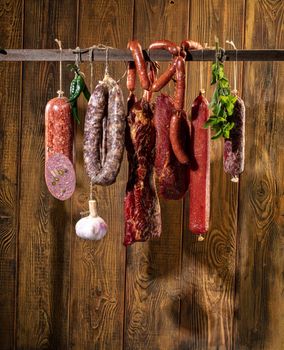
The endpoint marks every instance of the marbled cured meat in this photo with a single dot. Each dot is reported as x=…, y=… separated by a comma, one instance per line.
x=141, y=203
x=172, y=175
x=199, y=175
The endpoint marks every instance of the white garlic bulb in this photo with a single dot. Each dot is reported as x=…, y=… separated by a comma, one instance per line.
x=92, y=227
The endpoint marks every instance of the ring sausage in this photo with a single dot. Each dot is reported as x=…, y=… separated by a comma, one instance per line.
x=104, y=133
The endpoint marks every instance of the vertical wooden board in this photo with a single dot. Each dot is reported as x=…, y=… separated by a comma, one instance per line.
x=259, y=319
x=98, y=268
x=44, y=241
x=153, y=268
x=208, y=267
x=10, y=111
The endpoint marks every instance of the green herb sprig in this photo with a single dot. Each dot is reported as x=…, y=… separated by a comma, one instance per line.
x=222, y=102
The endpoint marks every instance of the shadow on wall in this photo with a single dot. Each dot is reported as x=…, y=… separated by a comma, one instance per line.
x=60, y=249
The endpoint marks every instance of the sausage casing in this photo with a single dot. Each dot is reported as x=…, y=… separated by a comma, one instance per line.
x=104, y=133
x=59, y=128
x=199, y=175
x=233, y=158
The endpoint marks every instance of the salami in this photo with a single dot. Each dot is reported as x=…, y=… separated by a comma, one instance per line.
x=172, y=175
x=233, y=158
x=104, y=132
x=59, y=131
x=199, y=181
x=60, y=176
x=141, y=204
x=59, y=128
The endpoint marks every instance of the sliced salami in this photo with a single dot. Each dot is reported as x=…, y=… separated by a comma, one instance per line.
x=60, y=176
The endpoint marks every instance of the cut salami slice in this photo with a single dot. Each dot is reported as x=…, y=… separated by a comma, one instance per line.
x=60, y=176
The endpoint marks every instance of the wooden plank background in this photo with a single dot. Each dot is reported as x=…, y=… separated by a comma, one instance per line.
x=59, y=292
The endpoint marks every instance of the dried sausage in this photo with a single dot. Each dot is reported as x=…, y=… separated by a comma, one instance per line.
x=140, y=64
x=104, y=133
x=234, y=146
x=199, y=181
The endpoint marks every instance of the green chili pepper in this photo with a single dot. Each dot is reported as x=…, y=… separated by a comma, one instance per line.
x=86, y=93
x=77, y=86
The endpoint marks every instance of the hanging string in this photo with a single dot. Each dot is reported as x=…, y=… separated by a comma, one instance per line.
x=235, y=65
x=201, y=69
x=91, y=53
x=106, y=67
x=60, y=91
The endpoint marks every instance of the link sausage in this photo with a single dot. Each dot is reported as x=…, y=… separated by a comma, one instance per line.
x=140, y=64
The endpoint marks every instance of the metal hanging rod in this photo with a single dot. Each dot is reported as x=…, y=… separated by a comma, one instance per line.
x=125, y=55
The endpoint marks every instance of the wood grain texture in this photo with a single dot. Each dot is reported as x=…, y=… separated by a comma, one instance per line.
x=259, y=319
x=208, y=267
x=174, y=293
x=44, y=221
x=10, y=106
x=153, y=268
x=98, y=268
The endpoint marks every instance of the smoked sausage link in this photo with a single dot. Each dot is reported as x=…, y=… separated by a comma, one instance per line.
x=165, y=45
x=180, y=84
x=234, y=147
x=188, y=45
x=180, y=136
x=140, y=64
x=165, y=77
x=172, y=175
x=131, y=76
x=199, y=175
x=104, y=133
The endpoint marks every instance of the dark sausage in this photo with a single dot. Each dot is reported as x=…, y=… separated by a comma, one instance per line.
x=234, y=147
x=199, y=181
x=104, y=133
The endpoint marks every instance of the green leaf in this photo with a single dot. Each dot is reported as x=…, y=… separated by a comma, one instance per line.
x=230, y=108
x=217, y=135
x=223, y=83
